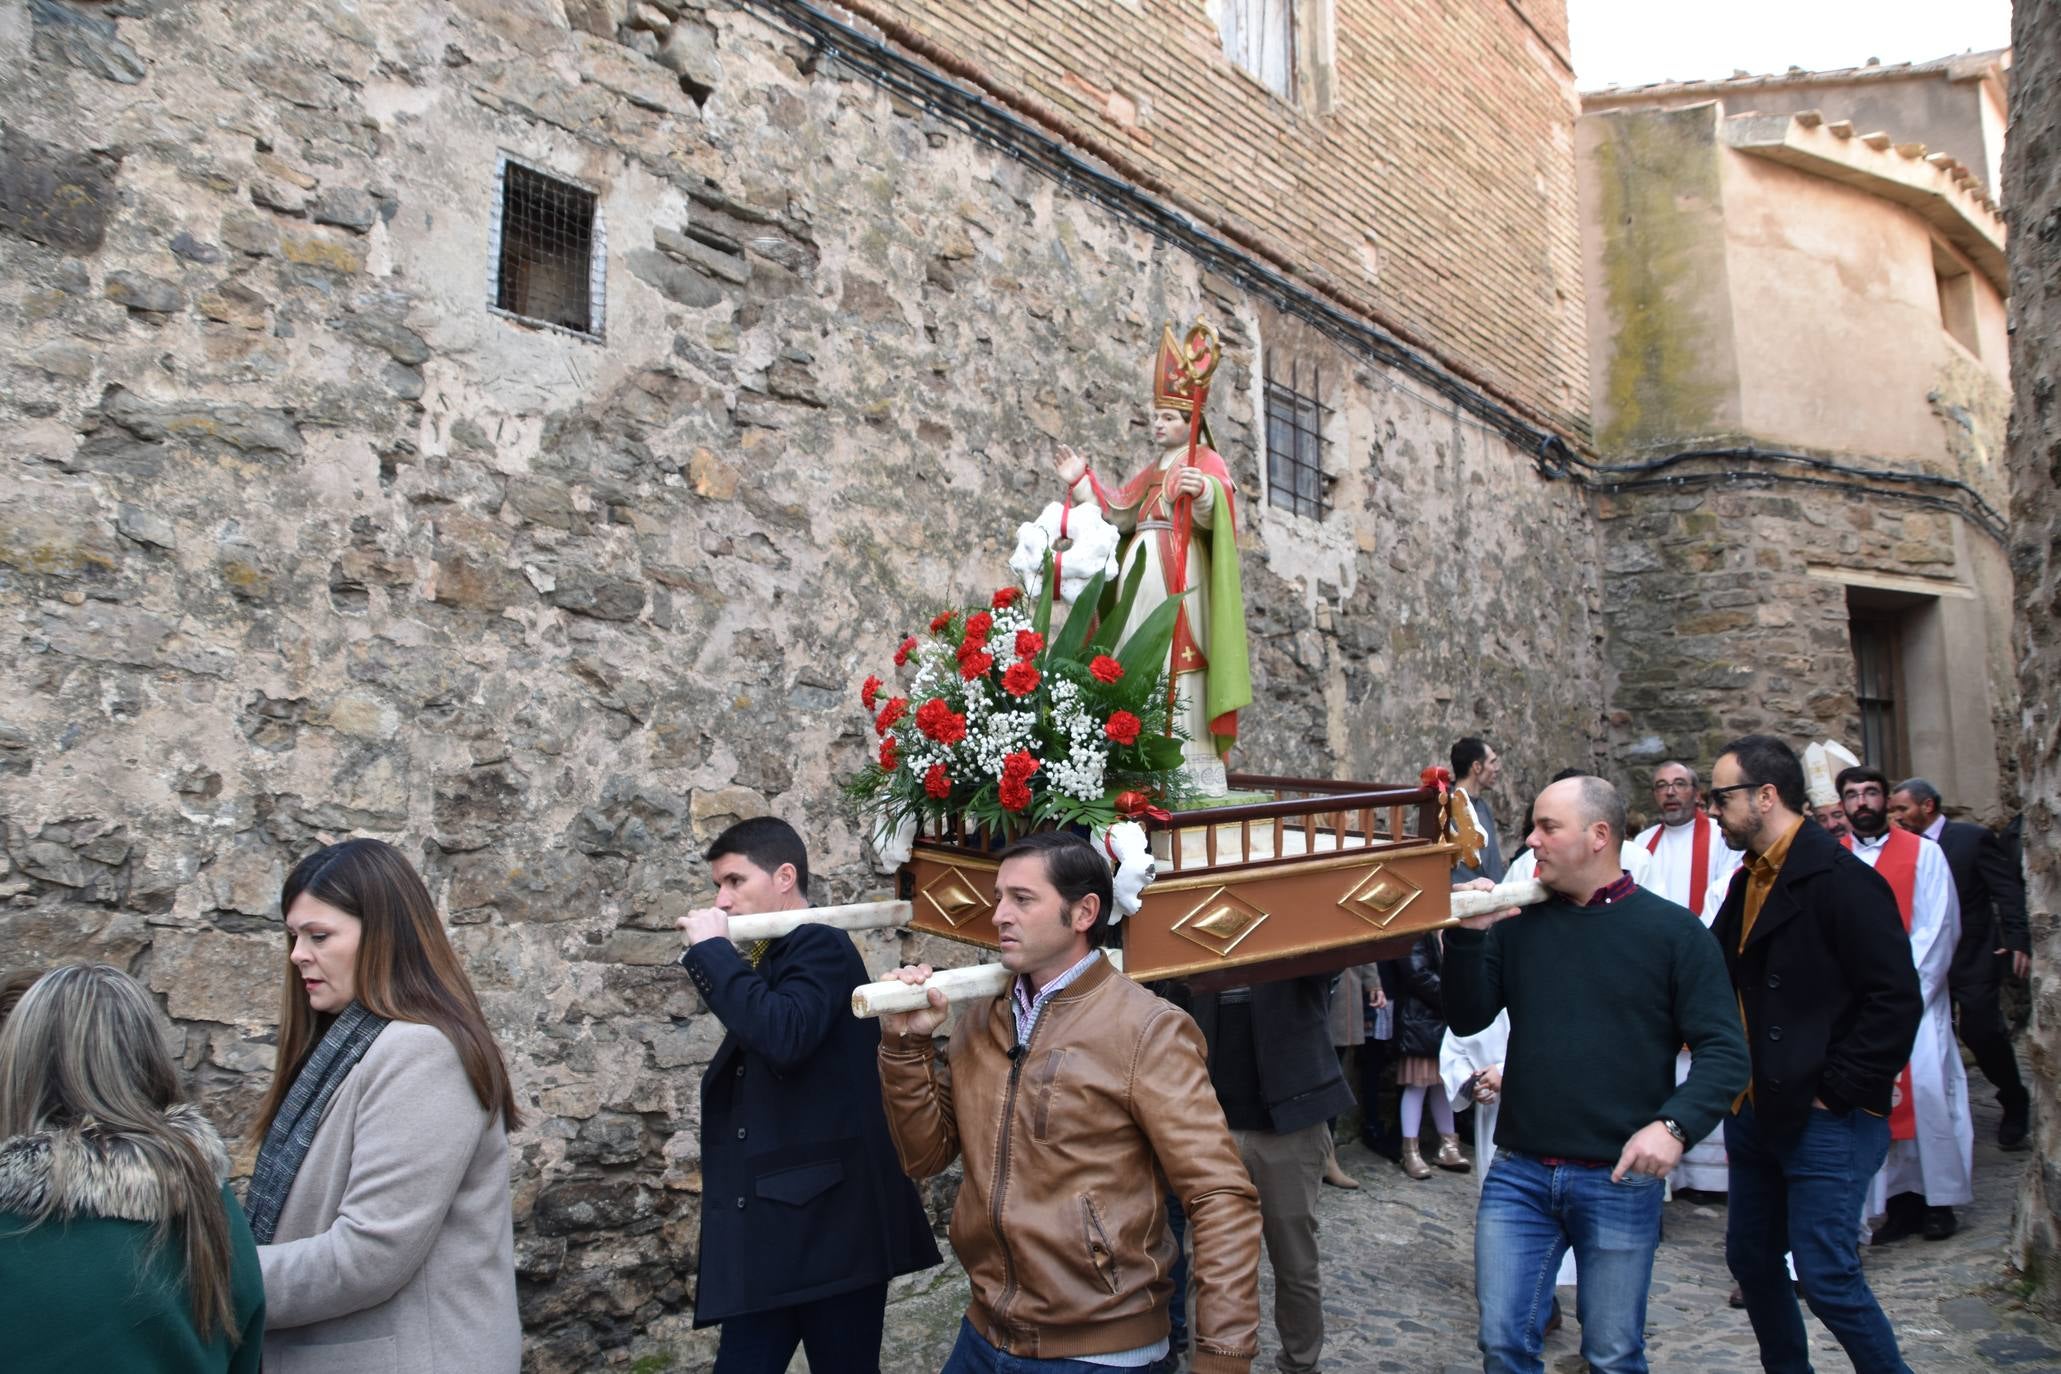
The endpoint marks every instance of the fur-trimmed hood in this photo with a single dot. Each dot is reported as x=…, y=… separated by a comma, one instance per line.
x=95, y=1175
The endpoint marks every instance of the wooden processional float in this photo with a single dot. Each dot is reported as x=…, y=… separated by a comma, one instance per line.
x=1324, y=876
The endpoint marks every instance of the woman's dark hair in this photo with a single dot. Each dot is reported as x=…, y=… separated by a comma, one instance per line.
x=766, y=842
x=406, y=970
x=1074, y=867
x=1766, y=760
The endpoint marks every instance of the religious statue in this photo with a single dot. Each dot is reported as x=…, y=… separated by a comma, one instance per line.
x=1178, y=515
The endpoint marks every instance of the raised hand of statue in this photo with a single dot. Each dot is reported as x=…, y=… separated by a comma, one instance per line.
x=1071, y=466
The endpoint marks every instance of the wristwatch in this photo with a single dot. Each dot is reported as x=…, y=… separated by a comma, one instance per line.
x=1674, y=1128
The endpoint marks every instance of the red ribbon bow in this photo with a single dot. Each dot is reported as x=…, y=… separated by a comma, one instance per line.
x=1434, y=776
x=1131, y=805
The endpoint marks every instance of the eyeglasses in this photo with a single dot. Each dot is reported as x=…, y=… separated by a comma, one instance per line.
x=1717, y=794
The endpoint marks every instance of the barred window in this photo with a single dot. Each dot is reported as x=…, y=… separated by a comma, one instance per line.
x=549, y=248
x=1295, y=441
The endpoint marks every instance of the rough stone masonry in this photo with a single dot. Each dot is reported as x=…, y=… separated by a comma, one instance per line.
x=300, y=540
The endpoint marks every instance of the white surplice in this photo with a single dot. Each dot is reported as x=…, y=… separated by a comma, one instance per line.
x=1669, y=872
x=1940, y=1162
x=1460, y=1057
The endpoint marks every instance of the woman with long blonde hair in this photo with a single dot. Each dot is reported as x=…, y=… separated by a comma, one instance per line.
x=380, y=1197
x=121, y=1246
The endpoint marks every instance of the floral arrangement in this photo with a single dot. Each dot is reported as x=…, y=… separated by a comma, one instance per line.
x=996, y=719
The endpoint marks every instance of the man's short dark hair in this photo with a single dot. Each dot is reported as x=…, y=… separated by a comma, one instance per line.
x=1601, y=802
x=1767, y=760
x=1076, y=868
x=1467, y=753
x=1921, y=792
x=766, y=842
x=1860, y=773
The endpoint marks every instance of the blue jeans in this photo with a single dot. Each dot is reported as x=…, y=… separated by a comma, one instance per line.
x=973, y=1355
x=1530, y=1215
x=1803, y=1196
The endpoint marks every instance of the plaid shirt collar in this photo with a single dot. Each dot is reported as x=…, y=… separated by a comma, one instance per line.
x=1615, y=892
x=1028, y=1008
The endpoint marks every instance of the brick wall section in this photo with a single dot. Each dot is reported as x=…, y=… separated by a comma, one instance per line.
x=2032, y=185
x=1449, y=143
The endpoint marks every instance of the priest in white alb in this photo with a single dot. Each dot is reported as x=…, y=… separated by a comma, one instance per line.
x=1689, y=863
x=1931, y=1165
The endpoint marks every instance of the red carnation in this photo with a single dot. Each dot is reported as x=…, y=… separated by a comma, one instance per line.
x=941, y=622
x=870, y=693
x=1021, y=679
x=888, y=757
x=1105, y=668
x=1123, y=727
x=1018, y=766
x=894, y=710
x=1014, y=796
x=1006, y=597
x=973, y=665
x=937, y=783
x=978, y=626
x=940, y=722
x=908, y=646
x=1029, y=644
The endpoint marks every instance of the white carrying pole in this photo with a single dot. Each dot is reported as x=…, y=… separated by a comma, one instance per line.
x=992, y=980
x=957, y=984
x=1488, y=901
x=771, y=925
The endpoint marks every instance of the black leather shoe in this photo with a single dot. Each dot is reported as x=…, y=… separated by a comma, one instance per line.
x=1940, y=1223
x=1737, y=1300
x=1900, y=1224
x=2013, y=1131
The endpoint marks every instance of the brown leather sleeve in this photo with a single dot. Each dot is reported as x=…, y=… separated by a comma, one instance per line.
x=1174, y=1104
x=917, y=1092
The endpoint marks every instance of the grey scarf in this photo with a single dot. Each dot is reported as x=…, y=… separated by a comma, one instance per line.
x=300, y=1113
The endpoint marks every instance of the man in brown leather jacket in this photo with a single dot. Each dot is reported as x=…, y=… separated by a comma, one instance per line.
x=1069, y=1097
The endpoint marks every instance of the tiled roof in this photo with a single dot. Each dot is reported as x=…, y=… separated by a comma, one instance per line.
x=1958, y=67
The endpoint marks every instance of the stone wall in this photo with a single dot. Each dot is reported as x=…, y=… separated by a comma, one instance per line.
x=302, y=541
x=2032, y=182
x=1727, y=612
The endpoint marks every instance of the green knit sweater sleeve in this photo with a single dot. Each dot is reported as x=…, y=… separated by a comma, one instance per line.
x=1707, y=1018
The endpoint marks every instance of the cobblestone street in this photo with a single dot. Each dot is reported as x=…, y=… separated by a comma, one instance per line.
x=1399, y=1286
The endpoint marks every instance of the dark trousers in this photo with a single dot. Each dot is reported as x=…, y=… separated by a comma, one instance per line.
x=1378, y=1129
x=840, y=1335
x=1804, y=1195
x=1980, y=1019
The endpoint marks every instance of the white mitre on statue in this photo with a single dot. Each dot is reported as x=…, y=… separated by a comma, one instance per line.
x=1822, y=763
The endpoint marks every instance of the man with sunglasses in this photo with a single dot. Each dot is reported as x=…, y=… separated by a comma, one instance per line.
x=1822, y=970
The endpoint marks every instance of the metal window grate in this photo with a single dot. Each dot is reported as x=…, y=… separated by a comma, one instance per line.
x=1295, y=442
x=549, y=250
x=1876, y=670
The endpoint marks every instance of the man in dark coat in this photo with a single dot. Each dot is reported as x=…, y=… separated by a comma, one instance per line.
x=805, y=1211
x=1822, y=969
x=1277, y=1077
x=1993, y=936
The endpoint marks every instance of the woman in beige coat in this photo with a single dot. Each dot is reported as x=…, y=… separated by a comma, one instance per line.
x=380, y=1197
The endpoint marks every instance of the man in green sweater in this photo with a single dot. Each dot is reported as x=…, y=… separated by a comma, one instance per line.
x=1604, y=982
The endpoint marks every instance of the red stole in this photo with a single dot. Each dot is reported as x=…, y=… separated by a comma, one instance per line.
x=1898, y=865
x=1699, y=861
